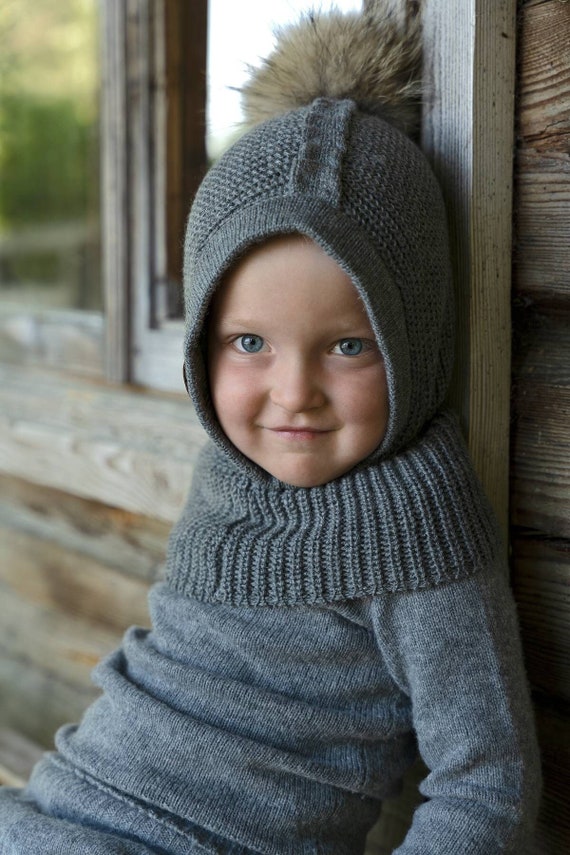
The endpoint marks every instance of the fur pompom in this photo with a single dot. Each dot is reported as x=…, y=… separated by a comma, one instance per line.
x=372, y=57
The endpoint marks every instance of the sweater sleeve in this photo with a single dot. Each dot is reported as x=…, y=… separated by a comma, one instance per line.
x=455, y=651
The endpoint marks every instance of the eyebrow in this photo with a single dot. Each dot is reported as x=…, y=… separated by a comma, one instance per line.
x=237, y=322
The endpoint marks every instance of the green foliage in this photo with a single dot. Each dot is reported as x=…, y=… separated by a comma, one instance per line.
x=48, y=161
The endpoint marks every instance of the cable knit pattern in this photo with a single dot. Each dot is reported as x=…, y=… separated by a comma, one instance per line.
x=414, y=521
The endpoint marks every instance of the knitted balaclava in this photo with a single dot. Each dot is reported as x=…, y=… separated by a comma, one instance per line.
x=335, y=165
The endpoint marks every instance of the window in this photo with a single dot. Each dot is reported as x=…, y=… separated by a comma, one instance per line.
x=49, y=184
x=104, y=140
x=171, y=43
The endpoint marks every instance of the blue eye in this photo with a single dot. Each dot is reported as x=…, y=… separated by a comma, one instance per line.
x=249, y=343
x=349, y=346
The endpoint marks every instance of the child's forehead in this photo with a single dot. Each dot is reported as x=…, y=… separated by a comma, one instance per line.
x=281, y=250
x=287, y=269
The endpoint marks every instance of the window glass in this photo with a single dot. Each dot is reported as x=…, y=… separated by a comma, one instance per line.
x=49, y=156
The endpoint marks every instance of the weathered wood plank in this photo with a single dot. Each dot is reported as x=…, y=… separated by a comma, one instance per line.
x=46, y=574
x=540, y=449
x=125, y=448
x=542, y=247
x=18, y=755
x=543, y=160
x=553, y=722
x=467, y=132
x=36, y=703
x=541, y=345
x=541, y=584
x=55, y=338
x=544, y=75
x=540, y=459
x=59, y=644
x=131, y=544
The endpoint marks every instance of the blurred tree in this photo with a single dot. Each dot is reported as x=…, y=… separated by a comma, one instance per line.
x=49, y=146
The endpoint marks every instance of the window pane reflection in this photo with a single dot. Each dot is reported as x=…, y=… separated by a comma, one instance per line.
x=49, y=155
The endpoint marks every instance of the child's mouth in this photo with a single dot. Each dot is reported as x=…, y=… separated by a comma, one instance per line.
x=295, y=433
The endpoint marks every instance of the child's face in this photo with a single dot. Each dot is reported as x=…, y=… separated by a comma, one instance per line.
x=297, y=381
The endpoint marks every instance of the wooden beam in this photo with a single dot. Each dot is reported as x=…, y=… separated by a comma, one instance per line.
x=114, y=190
x=128, y=449
x=540, y=442
x=541, y=579
x=17, y=757
x=468, y=135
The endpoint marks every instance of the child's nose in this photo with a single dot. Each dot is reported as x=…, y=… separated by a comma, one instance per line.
x=296, y=385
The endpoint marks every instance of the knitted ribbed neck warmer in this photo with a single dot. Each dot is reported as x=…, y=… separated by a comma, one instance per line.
x=416, y=520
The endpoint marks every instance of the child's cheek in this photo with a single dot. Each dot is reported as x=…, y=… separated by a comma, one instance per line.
x=234, y=390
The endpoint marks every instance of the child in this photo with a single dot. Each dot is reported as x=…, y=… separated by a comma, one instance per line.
x=335, y=600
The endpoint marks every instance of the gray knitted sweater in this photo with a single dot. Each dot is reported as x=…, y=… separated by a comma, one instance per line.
x=235, y=727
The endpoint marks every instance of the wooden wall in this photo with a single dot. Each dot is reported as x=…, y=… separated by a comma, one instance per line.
x=93, y=477
x=74, y=574
x=86, y=502
x=540, y=449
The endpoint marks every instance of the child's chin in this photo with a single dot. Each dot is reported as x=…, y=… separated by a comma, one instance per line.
x=303, y=476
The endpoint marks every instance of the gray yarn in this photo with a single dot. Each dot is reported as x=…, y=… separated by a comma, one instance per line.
x=365, y=193
x=416, y=520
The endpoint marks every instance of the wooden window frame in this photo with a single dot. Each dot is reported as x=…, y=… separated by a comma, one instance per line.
x=56, y=338
x=468, y=135
x=153, y=159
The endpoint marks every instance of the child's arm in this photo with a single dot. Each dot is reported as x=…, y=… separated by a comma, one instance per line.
x=455, y=650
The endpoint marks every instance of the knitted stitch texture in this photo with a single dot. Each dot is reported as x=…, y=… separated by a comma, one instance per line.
x=413, y=521
x=228, y=730
x=365, y=193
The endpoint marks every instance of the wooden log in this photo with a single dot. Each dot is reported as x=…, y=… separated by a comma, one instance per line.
x=125, y=448
x=58, y=338
x=35, y=703
x=540, y=438
x=542, y=247
x=61, y=606
x=540, y=459
x=58, y=644
x=553, y=723
x=541, y=345
x=132, y=544
x=18, y=755
x=46, y=574
x=541, y=585
x=544, y=74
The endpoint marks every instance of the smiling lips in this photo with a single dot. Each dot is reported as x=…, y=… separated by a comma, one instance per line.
x=298, y=433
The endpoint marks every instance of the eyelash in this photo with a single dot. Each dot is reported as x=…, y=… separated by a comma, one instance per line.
x=365, y=345
x=239, y=339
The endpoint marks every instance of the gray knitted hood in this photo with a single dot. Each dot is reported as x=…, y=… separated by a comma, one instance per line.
x=338, y=169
